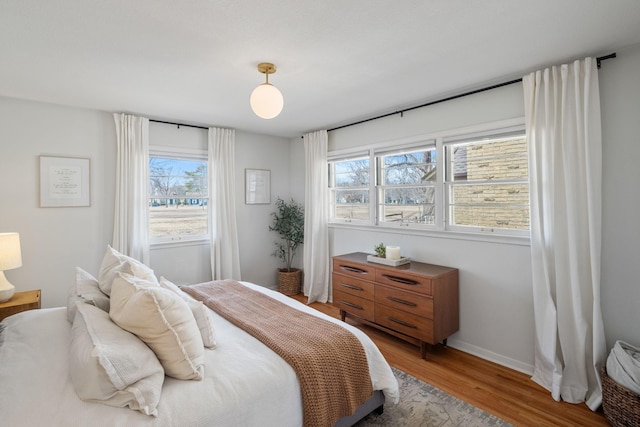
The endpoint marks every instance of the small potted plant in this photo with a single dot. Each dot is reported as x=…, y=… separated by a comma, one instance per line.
x=288, y=222
x=381, y=250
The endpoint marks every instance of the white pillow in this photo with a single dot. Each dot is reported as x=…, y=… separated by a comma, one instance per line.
x=115, y=262
x=201, y=313
x=85, y=290
x=112, y=366
x=163, y=321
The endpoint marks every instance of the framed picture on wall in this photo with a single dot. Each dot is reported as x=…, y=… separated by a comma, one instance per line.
x=257, y=186
x=64, y=182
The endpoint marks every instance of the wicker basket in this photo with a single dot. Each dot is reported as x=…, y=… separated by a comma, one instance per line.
x=289, y=281
x=621, y=406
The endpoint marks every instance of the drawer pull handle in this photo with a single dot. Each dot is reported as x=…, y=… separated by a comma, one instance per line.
x=352, y=305
x=401, y=280
x=409, y=325
x=400, y=301
x=353, y=269
x=357, y=288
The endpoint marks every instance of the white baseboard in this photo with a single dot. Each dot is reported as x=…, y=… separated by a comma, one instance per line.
x=491, y=356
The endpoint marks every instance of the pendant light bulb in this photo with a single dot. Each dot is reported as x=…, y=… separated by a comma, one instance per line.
x=266, y=100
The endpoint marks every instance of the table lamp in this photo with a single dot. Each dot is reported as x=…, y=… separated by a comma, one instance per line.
x=10, y=257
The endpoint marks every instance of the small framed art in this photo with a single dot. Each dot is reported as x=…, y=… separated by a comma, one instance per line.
x=64, y=182
x=257, y=186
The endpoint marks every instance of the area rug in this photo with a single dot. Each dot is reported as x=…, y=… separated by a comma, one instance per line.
x=422, y=405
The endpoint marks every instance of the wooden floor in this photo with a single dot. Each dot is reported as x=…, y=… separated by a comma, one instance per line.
x=505, y=393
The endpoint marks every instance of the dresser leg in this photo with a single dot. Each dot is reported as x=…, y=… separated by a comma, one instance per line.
x=343, y=314
x=423, y=350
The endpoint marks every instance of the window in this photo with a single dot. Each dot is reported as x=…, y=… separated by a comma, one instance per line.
x=469, y=183
x=178, y=198
x=350, y=189
x=407, y=183
x=486, y=183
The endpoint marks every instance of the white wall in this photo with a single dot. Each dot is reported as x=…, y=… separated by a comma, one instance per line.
x=620, y=100
x=496, y=308
x=257, y=243
x=56, y=240
x=296, y=172
x=495, y=278
x=190, y=263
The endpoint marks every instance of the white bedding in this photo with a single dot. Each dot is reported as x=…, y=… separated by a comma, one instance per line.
x=245, y=383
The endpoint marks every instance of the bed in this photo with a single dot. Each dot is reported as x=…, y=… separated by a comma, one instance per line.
x=244, y=382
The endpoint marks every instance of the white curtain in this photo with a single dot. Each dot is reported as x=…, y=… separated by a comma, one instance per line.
x=225, y=256
x=562, y=109
x=131, y=219
x=316, y=218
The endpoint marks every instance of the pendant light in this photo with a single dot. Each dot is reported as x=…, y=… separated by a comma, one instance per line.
x=266, y=100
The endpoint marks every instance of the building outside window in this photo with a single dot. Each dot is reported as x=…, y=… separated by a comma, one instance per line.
x=487, y=183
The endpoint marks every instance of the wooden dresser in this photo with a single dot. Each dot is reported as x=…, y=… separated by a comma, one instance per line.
x=416, y=302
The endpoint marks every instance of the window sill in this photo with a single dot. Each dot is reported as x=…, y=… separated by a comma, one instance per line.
x=178, y=243
x=441, y=234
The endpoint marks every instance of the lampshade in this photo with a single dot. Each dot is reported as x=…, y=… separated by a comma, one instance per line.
x=10, y=257
x=266, y=100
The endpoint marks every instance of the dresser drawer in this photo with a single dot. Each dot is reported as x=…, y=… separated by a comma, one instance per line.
x=403, y=280
x=360, y=271
x=352, y=286
x=416, y=302
x=409, y=324
x=357, y=306
x=420, y=305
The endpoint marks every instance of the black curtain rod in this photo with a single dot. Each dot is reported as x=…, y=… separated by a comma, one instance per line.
x=450, y=98
x=178, y=124
x=603, y=58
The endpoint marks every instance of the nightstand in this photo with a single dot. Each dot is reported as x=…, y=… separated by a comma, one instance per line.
x=21, y=301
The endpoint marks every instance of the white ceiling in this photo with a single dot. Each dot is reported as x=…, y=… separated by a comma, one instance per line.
x=338, y=61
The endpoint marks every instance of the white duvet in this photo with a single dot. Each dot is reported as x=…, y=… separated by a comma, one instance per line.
x=245, y=383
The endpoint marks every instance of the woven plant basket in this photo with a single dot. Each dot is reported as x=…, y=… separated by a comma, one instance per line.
x=621, y=406
x=289, y=281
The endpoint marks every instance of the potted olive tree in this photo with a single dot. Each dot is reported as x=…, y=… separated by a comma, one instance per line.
x=288, y=222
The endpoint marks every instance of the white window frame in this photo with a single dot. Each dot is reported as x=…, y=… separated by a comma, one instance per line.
x=181, y=154
x=346, y=156
x=493, y=134
x=426, y=144
x=440, y=228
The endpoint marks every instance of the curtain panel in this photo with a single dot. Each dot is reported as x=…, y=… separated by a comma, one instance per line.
x=131, y=216
x=562, y=112
x=225, y=254
x=316, y=218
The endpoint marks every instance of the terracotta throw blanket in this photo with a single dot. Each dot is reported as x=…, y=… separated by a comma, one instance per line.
x=329, y=361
